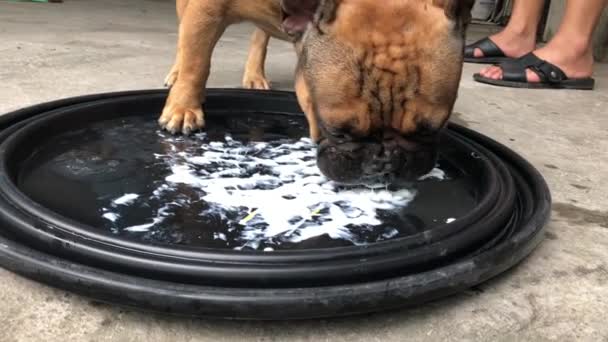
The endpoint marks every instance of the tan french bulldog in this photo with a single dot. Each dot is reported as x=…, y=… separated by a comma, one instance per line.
x=377, y=79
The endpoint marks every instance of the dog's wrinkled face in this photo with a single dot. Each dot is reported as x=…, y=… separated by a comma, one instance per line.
x=378, y=81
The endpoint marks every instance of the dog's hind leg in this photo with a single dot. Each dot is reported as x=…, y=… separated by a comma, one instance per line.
x=255, y=77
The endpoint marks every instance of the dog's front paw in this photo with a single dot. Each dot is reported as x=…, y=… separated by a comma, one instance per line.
x=255, y=81
x=185, y=119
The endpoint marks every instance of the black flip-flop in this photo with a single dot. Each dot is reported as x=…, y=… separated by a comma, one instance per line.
x=551, y=76
x=492, y=54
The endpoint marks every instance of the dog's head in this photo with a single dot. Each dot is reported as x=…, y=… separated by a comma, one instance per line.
x=377, y=81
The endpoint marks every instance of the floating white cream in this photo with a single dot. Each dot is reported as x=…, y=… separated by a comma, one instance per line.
x=144, y=227
x=436, y=173
x=112, y=217
x=126, y=199
x=277, y=190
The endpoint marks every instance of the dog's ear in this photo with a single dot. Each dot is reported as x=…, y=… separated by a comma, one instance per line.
x=299, y=13
x=458, y=10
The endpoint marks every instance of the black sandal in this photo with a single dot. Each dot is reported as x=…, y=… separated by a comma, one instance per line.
x=492, y=54
x=551, y=77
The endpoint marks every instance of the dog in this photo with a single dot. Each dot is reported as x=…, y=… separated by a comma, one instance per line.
x=376, y=79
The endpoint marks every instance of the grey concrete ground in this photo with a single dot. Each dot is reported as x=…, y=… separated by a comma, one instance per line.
x=560, y=293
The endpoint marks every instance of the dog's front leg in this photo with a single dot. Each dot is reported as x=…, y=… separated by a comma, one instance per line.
x=201, y=27
x=180, y=6
x=254, y=77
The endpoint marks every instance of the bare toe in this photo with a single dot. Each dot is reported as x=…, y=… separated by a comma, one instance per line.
x=532, y=77
x=496, y=73
x=485, y=72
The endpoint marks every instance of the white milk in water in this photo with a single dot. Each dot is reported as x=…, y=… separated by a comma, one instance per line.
x=274, y=190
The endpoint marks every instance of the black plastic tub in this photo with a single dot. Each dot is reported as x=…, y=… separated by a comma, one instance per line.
x=50, y=230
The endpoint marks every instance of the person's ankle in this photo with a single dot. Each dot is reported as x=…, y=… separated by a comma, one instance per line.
x=524, y=34
x=573, y=48
x=574, y=57
x=515, y=43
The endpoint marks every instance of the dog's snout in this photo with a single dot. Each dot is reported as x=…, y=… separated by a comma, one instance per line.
x=390, y=158
x=386, y=159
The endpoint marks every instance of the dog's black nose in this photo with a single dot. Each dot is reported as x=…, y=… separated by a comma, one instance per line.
x=384, y=160
x=355, y=162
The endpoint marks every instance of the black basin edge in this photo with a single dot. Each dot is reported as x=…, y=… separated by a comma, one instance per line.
x=288, y=301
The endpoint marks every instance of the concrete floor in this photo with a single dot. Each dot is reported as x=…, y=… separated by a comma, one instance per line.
x=560, y=293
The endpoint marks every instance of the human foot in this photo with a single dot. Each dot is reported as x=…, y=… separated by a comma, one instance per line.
x=513, y=44
x=575, y=63
x=505, y=45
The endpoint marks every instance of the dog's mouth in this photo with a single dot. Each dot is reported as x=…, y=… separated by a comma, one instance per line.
x=295, y=24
